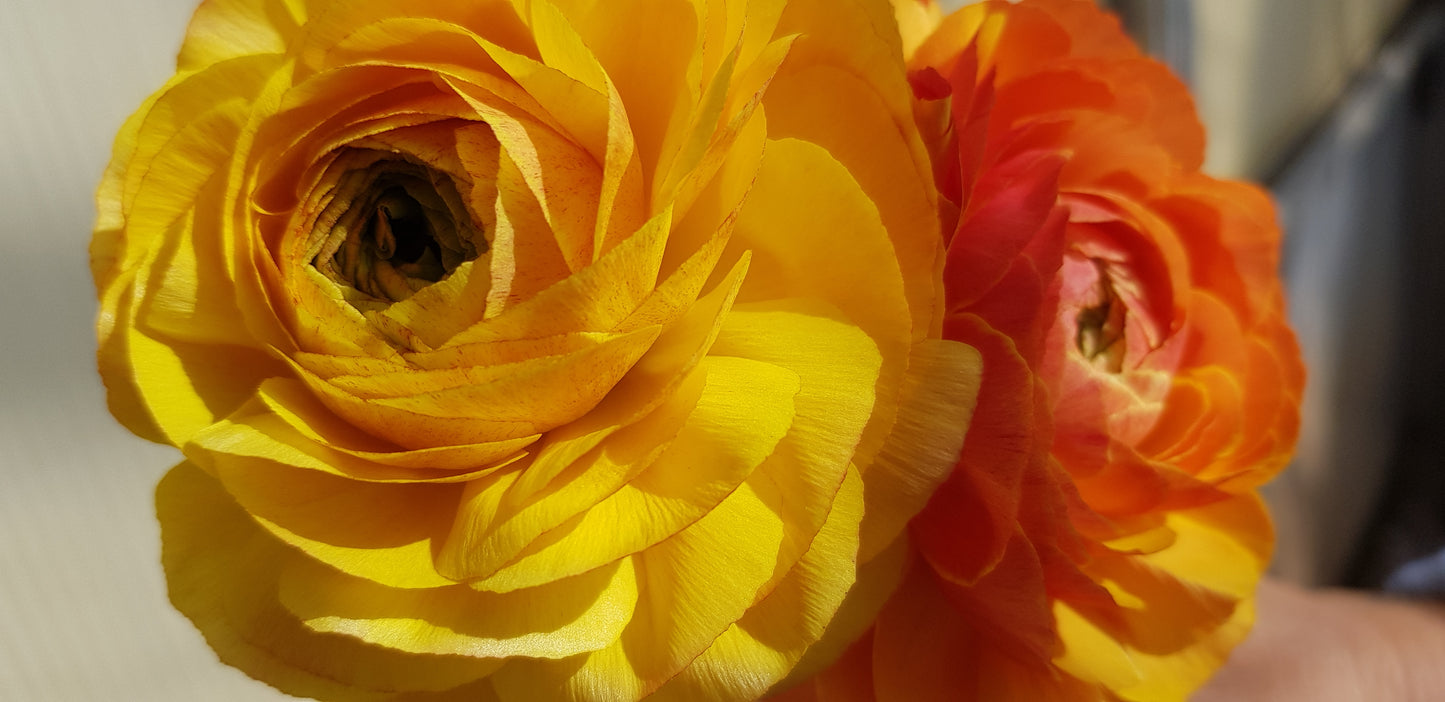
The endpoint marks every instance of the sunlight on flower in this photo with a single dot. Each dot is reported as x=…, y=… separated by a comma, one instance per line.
x=529, y=350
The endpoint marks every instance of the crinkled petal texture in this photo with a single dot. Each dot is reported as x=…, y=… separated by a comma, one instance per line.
x=530, y=349
x=1100, y=538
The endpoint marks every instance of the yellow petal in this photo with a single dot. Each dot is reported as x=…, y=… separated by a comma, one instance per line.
x=173, y=158
x=677, y=296
x=696, y=585
x=1185, y=607
x=479, y=691
x=837, y=366
x=187, y=137
x=685, y=142
x=622, y=206
x=564, y=80
x=440, y=310
x=173, y=388
x=123, y=395
x=657, y=80
x=486, y=353
x=286, y=425
x=108, y=243
x=192, y=295
x=709, y=457
x=1092, y=654
x=546, y=391
x=352, y=30
x=321, y=321
x=560, y=619
x=877, y=580
x=711, y=213
x=597, y=298
x=762, y=647
x=227, y=29
x=663, y=378
x=656, y=379
x=916, y=20
x=148, y=384
x=936, y=404
x=319, y=118
x=406, y=428
x=501, y=514
x=562, y=178
x=378, y=531
x=222, y=571
x=523, y=263
x=718, y=133
x=814, y=233
x=844, y=88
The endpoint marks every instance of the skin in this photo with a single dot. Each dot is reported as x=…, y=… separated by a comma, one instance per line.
x=1336, y=646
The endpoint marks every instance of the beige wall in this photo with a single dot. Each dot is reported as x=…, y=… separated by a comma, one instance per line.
x=1265, y=70
x=83, y=610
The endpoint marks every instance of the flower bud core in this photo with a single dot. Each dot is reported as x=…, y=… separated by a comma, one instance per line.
x=399, y=227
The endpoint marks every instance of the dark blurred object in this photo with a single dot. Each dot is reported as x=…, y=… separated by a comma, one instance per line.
x=1344, y=195
x=1410, y=523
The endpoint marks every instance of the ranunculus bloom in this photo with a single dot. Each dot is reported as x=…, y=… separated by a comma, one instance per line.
x=529, y=350
x=1100, y=538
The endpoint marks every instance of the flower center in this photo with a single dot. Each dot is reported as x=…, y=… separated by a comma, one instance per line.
x=395, y=228
x=1099, y=325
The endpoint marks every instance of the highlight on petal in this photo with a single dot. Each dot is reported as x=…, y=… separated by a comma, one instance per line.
x=224, y=572
x=559, y=619
x=752, y=654
x=699, y=582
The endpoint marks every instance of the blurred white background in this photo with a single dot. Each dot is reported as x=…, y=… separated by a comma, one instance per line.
x=83, y=609
x=82, y=598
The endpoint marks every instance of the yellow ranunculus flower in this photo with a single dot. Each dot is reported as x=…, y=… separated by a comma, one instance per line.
x=529, y=349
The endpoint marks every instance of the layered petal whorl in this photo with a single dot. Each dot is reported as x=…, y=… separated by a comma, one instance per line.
x=529, y=350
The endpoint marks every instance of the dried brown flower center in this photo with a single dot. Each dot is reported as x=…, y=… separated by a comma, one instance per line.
x=1100, y=326
x=395, y=228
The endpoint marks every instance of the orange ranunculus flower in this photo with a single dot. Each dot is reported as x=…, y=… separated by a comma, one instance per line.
x=529, y=350
x=1100, y=538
